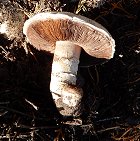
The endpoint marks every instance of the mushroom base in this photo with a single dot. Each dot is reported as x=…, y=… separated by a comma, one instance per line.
x=66, y=109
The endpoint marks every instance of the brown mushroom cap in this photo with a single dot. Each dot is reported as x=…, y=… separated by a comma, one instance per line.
x=44, y=29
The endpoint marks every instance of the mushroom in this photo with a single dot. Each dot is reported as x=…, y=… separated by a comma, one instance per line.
x=65, y=34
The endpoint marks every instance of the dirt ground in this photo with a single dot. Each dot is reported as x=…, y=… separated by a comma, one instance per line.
x=111, y=102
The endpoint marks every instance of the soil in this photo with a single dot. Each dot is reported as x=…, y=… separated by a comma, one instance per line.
x=111, y=99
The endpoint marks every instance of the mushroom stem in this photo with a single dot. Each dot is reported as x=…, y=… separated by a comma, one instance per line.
x=64, y=69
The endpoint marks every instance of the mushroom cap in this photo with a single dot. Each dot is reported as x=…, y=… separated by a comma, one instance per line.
x=45, y=29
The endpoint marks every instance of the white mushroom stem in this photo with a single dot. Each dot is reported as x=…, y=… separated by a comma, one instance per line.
x=64, y=71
